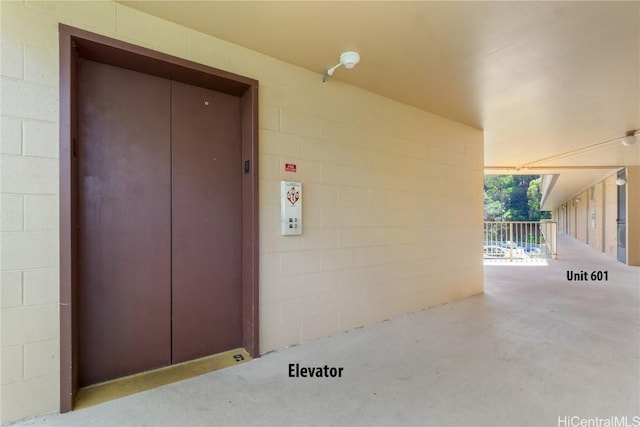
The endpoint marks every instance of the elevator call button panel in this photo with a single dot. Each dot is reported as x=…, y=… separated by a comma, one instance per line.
x=290, y=208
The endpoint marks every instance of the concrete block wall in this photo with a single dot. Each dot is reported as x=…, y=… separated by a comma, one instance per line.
x=28, y=220
x=392, y=208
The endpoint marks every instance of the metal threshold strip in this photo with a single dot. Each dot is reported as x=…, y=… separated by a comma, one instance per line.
x=125, y=386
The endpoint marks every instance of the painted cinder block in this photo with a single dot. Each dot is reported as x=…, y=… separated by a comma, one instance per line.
x=275, y=338
x=269, y=167
x=12, y=212
x=280, y=95
x=279, y=144
x=29, y=100
x=337, y=132
x=364, y=256
x=312, y=216
x=29, y=175
x=269, y=116
x=40, y=65
x=369, y=139
x=337, y=259
x=333, y=174
x=40, y=139
x=361, y=237
x=319, y=326
x=330, y=281
x=337, y=300
x=11, y=289
x=40, y=212
x=252, y=64
x=26, y=398
x=299, y=262
x=269, y=265
x=301, y=124
x=300, y=308
x=318, y=150
x=294, y=76
x=321, y=195
x=162, y=35
x=12, y=58
x=28, y=25
x=272, y=241
x=97, y=14
x=276, y=289
x=319, y=238
x=314, y=102
x=344, y=216
x=41, y=286
x=11, y=131
x=352, y=317
x=12, y=361
x=270, y=314
x=21, y=325
x=208, y=50
x=29, y=249
x=41, y=358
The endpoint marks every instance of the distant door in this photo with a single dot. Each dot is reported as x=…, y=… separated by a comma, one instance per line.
x=622, y=220
x=160, y=222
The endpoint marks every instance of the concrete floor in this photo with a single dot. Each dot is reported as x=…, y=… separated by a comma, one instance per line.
x=533, y=348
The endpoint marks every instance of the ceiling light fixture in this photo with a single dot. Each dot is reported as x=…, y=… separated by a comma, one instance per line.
x=630, y=138
x=349, y=59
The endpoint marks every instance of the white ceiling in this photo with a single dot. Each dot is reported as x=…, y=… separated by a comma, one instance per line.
x=540, y=78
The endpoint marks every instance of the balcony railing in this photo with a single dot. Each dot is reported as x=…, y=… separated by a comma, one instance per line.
x=521, y=241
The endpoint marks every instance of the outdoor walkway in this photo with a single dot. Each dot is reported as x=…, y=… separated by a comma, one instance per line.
x=533, y=348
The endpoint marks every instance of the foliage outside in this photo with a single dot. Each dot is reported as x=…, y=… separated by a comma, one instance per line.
x=513, y=198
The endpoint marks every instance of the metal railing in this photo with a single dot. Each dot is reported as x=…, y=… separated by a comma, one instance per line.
x=520, y=240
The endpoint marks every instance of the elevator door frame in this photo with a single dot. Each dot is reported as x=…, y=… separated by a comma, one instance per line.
x=76, y=43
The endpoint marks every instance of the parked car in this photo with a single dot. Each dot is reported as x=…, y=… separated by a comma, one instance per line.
x=492, y=251
x=508, y=244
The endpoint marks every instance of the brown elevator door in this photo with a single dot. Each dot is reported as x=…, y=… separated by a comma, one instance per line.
x=124, y=222
x=159, y=216
x=206, y=222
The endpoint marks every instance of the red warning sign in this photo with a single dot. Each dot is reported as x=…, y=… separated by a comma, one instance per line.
x=290, y=167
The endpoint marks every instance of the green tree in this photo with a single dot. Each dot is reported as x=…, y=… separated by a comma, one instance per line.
x=496, y=196
x=533, y=196
x=518, y=207
x=512, y=198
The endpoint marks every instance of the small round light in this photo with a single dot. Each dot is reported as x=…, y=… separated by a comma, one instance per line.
x=621, y=181
x=349, y=59
x=629, y=140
